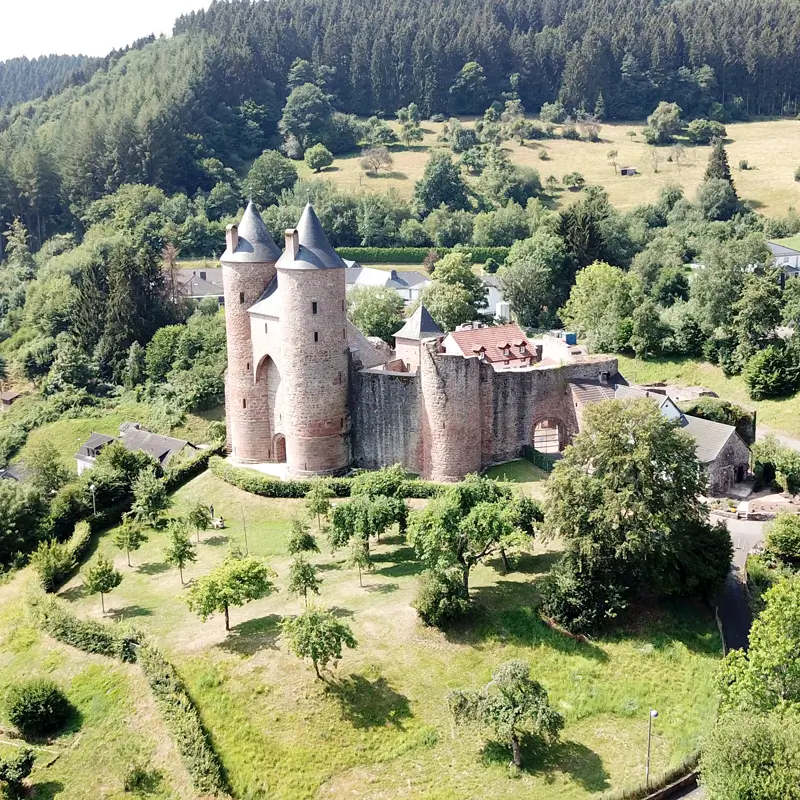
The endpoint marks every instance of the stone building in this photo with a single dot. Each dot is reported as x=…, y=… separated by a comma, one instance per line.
x=305, y=387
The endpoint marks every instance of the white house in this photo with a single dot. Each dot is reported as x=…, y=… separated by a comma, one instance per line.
x=407, y=284
x=787, y=258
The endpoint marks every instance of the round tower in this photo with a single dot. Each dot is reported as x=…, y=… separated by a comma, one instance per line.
x=315, y=379
x=248, y=266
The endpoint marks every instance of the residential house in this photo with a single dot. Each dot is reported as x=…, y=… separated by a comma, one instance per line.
x=787, y=258
x=407, y=284
x=197, y=284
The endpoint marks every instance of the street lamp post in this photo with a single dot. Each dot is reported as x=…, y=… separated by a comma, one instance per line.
x=650, y=718
x=93, y=490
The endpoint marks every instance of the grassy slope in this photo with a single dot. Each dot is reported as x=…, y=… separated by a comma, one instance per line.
x=381, y=728
x=529, y=478
x=782, y=416
x=116, y=722
x=768, y=146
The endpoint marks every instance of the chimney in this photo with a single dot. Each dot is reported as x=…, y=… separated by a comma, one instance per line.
x=292, y=242
x=232, y=237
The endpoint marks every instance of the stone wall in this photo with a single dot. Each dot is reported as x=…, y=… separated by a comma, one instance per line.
x=386, y=422
x=722, y=472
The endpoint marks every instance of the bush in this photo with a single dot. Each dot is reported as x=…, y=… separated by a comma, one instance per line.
x=184, y=471
x=783, y=537
x=51, y=616
x=14, y=769
x=256, y=483
x=183, y=721
x=52, y=560
x=37, y=707
x=771, y=373
x=441, y=598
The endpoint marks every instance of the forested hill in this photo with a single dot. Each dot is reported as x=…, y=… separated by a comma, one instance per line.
x=27, y=78
x=175, y=113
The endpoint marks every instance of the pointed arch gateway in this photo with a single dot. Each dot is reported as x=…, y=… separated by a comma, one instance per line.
x=268, y=376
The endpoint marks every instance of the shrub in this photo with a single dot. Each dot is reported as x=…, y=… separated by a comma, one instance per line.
x=14, y=769
x=52, y=560
x=183, y=720
x=771, y=373
x=414, y=255
x=783, y=537
x=441, y=598
x=37, y=707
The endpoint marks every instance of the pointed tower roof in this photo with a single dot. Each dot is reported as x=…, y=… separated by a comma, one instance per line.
x=419, y=325
x=315, y=251
x=254, y=244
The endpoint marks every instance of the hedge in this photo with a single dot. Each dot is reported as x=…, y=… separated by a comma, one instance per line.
x=183, y=472
x=416, y=255
x=54, y=619
x=183, y=720
x=257, y=483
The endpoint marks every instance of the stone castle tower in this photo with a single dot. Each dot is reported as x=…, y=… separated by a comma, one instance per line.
x=286, y=389
x=248, y=266
x=311, y=281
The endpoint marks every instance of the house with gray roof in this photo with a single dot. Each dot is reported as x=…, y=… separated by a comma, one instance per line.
x=197, y=284
x=786, y=258
x=725, y=456
x=408, y=284
x=135, y=438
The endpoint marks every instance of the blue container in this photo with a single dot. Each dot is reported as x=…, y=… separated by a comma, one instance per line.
x=570, y=338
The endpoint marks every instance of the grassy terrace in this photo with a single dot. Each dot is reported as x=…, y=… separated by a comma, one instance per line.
x=379, y=726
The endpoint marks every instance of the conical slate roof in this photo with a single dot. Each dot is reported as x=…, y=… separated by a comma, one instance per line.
x=315, y=249
x=255, y=244
x=419, y=325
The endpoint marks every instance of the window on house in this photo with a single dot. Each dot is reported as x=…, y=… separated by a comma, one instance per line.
x=313, y=306
x=316, y=336
x=507, y=352
x=522, y=348
x=241, y=297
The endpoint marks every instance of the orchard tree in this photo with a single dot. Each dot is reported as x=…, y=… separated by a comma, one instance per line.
x=358, y=556
x=318, y=157
x=270, y=174
x=301, y=539
x=236, y=581
x=511, y=705
x=318, y=500
x=101, y=578
x=303, y=578
x=441, y=184
x=373, y=159
x=150, y=498
x=317, y=634
x=199, y=517
x=180, y=550
x=129, y=536
x=375, y=310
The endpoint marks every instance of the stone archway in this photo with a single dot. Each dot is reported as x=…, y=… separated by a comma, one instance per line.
x=278, y=448
x=550, y=436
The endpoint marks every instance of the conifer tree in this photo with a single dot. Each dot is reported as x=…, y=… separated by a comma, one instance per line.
x=718, y=166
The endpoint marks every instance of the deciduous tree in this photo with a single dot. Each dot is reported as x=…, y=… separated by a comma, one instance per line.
x=101, y=578
x=180, y=550
x=317, y=634
x=129, y=536
x=303, y=578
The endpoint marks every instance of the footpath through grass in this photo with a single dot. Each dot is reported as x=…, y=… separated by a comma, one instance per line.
x=781, y=416
x=378, y=727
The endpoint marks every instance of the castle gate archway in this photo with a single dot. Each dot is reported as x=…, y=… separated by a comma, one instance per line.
x=550, y=436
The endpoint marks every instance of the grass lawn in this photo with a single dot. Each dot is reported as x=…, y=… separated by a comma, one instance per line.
x=378, y=727
x=115, y=722
x=530, y=479
x=781, y=416
x=791, y=241
x=768, y=146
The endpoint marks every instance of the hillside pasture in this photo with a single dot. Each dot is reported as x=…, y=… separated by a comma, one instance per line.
x=378, y=726
x=769, y=147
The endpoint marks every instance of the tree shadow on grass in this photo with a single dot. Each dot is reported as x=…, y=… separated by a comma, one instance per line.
x=215, y=541
x=153, y=568
x=329, y=566
x=397, y=176
x=73, y=593
x=247, y=638
x=403, y=562
x=47, y=790
x=128, y=612
x=341, y=613
x=574, y=759
x=382, y=588
x=508, y=612
x=369, y=704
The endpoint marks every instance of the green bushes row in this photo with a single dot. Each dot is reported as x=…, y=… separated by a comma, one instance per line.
x=416, y=255
x=256, y=483
x=183, y=472
x=50, y=615
x=55, y=561
x=184, y=723
x=179, y=712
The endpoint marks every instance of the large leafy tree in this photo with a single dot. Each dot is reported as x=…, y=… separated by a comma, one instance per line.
x=510, y=705
x=317, y=635
x=307, y=115
x=375, y=310
x=233, y=583
x=270, y=174
x=441, y=184
x=150, y=498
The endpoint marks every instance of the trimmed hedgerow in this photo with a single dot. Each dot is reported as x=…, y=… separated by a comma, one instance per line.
x=183, y=472
x=416, y=255
x=53, y=618
x=184, y=723
x=256, y=483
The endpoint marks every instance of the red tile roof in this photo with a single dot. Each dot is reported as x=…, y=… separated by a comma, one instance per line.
x=494, y=341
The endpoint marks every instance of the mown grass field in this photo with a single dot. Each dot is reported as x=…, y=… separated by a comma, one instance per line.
x=769, y=146
x=529, y=479
x=378, y=727
x=781, y=416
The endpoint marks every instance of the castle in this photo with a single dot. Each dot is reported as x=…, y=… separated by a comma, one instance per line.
x=304, y=386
